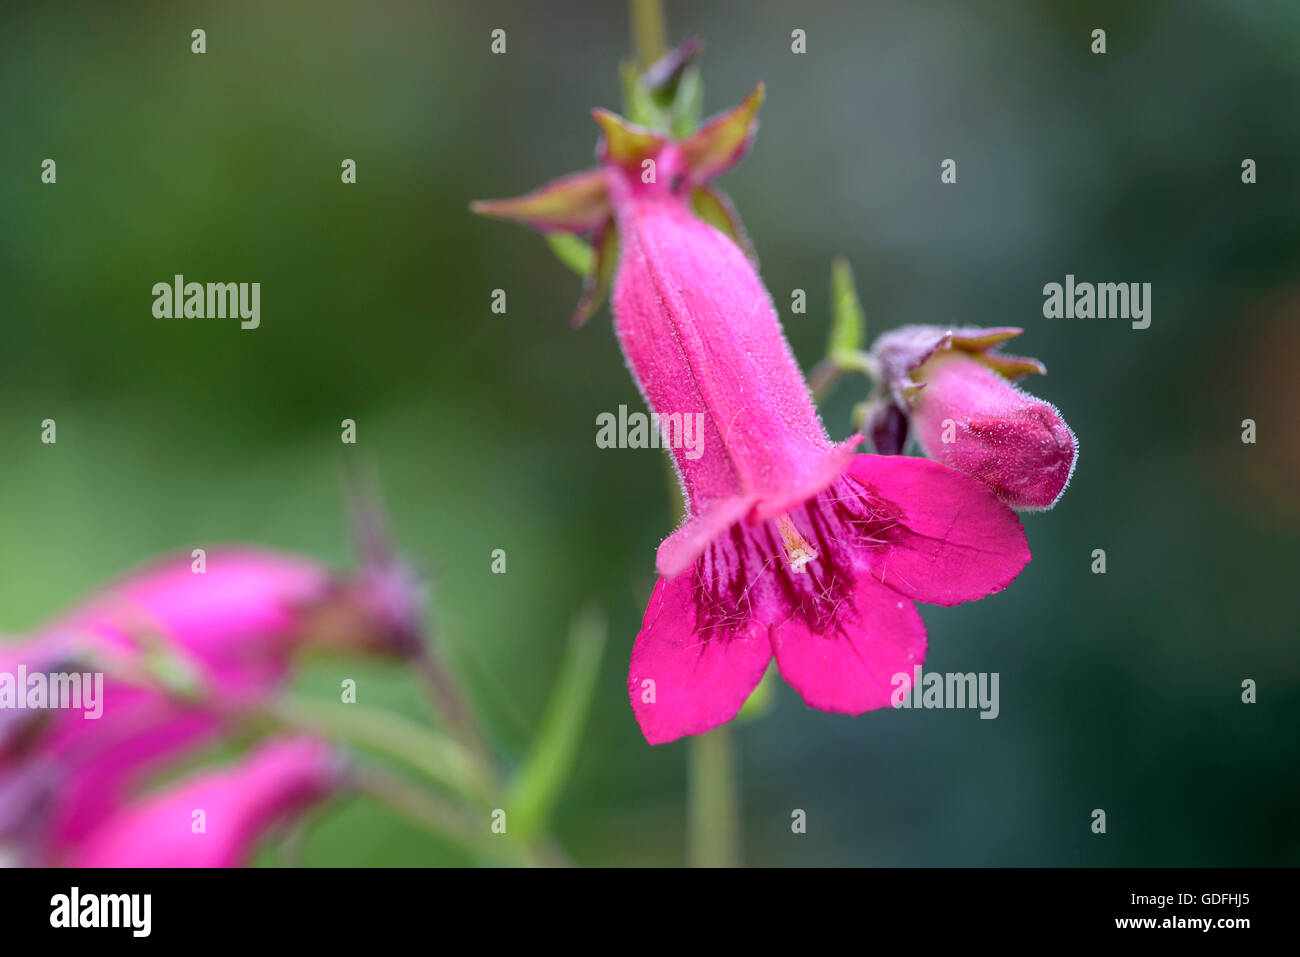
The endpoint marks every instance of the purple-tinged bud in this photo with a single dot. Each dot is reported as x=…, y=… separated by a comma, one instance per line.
x=972, y=419
x=966, y=413
x=668, y=70
x=885, y=426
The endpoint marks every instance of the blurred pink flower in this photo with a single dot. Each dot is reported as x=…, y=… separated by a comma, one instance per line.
x=966, y=413
x=224, y=638
x=235, y=807
x=793, y=546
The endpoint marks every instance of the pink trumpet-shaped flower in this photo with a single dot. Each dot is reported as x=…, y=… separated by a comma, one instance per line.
x=235, y=807
x=242, y=616
x=958, y=394
x=225, y=635
x=793, y=547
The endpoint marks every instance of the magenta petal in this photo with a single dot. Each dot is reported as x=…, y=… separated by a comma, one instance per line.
x=827, y=469
x=279, y=780
x=679, y=550
x=953, y=540
x=240, y=619
x=101, y=766
x=701, y=336
x=699, y=680
x=850, y=669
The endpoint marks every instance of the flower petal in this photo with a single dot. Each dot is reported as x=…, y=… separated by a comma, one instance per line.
x=850, y=669
x=955, y=541
x=682, y=681
x=679, y=550
x=280, y=779
x=702, y=339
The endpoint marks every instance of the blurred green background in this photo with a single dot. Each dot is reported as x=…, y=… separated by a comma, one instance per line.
x=1118, y=691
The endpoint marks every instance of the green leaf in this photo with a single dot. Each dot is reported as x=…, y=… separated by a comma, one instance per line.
x=536, y=788
x=848, y=325
x=575, y=253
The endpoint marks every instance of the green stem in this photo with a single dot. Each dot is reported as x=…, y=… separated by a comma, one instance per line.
x=450, y=704
x=467, y=829
x=438, y=757
x=822, y=377
x=714, y=818
x=827, y=372
x=648, y=31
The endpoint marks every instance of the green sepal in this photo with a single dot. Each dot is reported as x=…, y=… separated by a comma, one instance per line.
x=575, y=253
x=599, y=276
x=714, y=207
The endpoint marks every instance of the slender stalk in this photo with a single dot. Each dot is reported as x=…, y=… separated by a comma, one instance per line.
x=648, y=31
x=451, y=706
x=822, y=377
x=439, y=757
x=432, y=814
x=827, y=372
x=713, y=825
x=466, y=829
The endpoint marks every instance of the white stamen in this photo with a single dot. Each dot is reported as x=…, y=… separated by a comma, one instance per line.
x=798, y=551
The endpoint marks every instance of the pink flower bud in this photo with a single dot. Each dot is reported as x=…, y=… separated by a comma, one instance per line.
x=966, y=413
